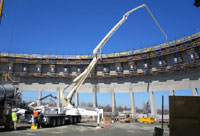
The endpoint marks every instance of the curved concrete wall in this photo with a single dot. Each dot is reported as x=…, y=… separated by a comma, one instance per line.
x=169, y=68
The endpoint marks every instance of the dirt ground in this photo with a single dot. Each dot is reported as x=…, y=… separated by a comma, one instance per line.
x=88, y=129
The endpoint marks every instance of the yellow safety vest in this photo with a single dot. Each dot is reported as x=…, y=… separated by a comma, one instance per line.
x=14, y=116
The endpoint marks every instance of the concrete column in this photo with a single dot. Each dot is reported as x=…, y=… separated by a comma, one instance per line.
x=58, y=96
x=172, y=93
x=195, y=91
x=133, y=110
x=95, y=88
x=152, y=104
x=76, y=99
x=94, y=99
x=20, y=94
x=113, y=103
x=39, y=97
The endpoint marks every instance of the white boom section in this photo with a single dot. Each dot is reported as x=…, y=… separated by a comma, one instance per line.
x=66, y=102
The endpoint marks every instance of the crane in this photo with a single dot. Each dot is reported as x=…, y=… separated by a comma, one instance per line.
x=78, y=81
x=1, y=9
x=30, y=105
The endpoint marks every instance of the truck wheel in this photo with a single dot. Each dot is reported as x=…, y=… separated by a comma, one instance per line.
x=58, y=122
x=9, y=125
x=75, y=119
x=79, y=119
x=53, y=122
x=43, y=125
x=71, y=120
x=62, y=121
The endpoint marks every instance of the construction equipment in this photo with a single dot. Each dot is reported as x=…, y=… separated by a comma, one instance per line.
x=1, y=9
x=78, y=81
x=147, y=119
x=58, y=115
x=126, y=119
x=30, y=105
x=9, y=99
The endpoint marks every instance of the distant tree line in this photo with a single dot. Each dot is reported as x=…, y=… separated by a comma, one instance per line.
x=108, y=108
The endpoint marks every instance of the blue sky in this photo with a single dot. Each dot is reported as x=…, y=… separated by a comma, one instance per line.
x=77, y=26
x=62, y=27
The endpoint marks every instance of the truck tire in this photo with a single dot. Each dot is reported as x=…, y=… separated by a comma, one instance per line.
x=71, y=120
x=63, y=121
x=79, y=119
x=53, y=122
x=75, y=119
x=9, y=125
x=43, y=125
x=58, y=122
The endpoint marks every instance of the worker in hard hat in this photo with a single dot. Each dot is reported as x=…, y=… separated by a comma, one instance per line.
x=35, y=116
x=14, y=118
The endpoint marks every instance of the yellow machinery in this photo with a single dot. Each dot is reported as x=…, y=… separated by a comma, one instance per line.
x=147, y=120
x=33, y=126
x=127, y=119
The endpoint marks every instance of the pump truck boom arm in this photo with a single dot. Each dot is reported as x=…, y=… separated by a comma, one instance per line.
x=30, y=105
x=81, y=78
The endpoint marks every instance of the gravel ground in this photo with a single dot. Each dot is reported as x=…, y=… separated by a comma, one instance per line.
x=88, y=129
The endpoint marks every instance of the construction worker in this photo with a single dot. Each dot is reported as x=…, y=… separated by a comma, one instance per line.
x=14, y=118
x=35, y=116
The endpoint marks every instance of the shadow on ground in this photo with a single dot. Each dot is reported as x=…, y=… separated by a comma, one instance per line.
x=2, y=129
x=86, y=125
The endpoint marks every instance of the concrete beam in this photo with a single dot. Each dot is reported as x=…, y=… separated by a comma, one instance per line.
x=39, y=97
x=172, y=93
x=76, y=99
x=152, y=104
x=132, y=100
x=113, y=103
x=119, y=87
x=195, y=91
x=58, y=96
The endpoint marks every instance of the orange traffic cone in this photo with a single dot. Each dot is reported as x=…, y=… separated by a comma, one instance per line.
x=106, y=123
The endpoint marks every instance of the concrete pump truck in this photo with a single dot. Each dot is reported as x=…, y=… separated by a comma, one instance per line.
x=55, y=116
